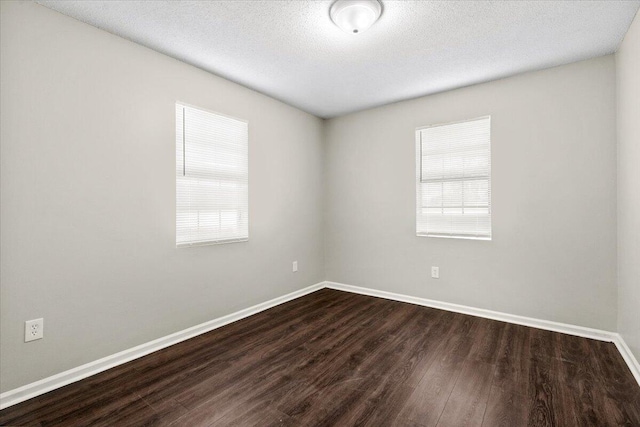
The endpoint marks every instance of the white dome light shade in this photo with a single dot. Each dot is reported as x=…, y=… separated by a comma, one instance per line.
x=355, y=16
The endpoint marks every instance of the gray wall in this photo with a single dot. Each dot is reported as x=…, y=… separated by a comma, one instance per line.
x=553, y=253
x=88, y=196
x=628, y=74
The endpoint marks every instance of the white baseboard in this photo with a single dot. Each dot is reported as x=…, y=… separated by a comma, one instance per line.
x=564, y=328
x=53, y=382
x=45, y=385
x=628, y=356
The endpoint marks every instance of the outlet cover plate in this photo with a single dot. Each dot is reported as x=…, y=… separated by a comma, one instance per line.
x=33, y=330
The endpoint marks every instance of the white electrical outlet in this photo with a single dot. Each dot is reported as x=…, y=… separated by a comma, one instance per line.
x=295, y=266
x=33, y=330
x=435, y=272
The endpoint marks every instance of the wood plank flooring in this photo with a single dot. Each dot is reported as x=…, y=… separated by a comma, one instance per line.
x=338, y=359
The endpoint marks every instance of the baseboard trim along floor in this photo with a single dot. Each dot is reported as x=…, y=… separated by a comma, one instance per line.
x=53, y=382
x=628, y=356
x=45, y=385
x=565, y=328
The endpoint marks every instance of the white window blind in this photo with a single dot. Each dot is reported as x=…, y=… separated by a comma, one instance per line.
x=453, y=180
x=212, y=201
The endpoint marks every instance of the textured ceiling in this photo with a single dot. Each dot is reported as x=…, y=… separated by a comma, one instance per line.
x=291, y=50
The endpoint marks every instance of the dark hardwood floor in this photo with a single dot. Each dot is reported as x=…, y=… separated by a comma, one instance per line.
x=339, y=359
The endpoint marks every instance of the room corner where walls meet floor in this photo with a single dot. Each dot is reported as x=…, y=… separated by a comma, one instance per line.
x=38, y=388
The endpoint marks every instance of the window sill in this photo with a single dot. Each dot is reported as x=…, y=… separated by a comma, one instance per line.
x=444, y=236
x=211, y=242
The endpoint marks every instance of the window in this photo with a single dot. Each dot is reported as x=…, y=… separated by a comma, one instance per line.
x=212, y=203
x=453, y=180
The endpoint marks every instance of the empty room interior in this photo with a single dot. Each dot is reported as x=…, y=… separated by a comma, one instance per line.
x=319, y=213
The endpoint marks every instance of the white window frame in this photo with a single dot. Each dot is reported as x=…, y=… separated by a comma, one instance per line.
x=182, y=169
x=420, y=181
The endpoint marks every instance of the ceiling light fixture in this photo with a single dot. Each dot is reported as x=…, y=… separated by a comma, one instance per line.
x=355, y=16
